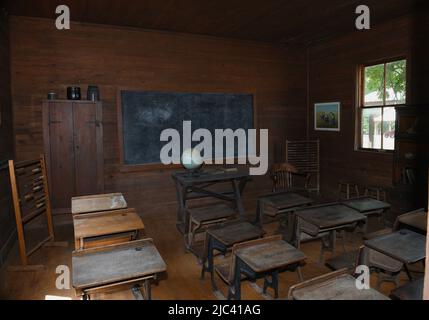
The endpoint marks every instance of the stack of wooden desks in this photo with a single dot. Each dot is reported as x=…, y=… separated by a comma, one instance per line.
x=108, y=254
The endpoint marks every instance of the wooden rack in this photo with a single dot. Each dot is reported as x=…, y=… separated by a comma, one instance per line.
x=30, y=196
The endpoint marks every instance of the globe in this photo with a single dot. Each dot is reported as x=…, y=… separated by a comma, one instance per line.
x=191, y=159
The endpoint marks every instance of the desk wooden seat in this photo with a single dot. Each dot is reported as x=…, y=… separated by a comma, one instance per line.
x=222, y=238
x=223, y=269
x=207, y=216
x=338, y=285
x=416, y=220
x=101, y=228
x=99, y=202
x=378, y=233
x=104, y=269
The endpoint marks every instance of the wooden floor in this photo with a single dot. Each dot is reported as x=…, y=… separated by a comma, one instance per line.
x=182, y=282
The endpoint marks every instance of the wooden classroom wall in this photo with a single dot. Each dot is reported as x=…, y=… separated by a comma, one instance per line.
x=333, y=77
x=7, y=222
x=44, y=58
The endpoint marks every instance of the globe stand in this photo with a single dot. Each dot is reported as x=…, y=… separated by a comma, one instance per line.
x=194, y=172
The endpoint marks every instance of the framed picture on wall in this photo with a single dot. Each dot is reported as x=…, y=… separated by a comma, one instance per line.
x=327, y=116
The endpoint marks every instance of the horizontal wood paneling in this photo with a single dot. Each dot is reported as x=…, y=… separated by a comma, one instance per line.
x=333, y=77
x=45, y=59
x=7, y=222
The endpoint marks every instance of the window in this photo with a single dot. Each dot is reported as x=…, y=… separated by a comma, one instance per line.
x=382, y=87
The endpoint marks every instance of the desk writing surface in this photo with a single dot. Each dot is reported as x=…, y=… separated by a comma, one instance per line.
x=100, y=202
x=116, y=263
x=236, y=232
x=339, y=288
x=107, y=222
x=404, y=245
x=285, y=200
x=270, y=255
x=366, y=204
x=330, y=216
x=417, y=220
x=210, y=175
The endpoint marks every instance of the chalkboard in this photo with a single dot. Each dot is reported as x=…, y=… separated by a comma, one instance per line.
x=145, y=114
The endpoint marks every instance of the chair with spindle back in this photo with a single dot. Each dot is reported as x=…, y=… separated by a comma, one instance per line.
x=304, y=155
x=30, y=196
x=282, y=173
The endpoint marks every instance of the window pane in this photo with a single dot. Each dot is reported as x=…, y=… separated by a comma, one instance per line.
x=374, y=85
x=371, y=128
x=389, y=117
x=395, y=82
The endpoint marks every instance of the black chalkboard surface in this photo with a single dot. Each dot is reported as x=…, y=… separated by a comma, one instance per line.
x=145, y=114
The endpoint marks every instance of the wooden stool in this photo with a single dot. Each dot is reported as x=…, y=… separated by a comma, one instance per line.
x=204, y=217
x=378, y=193
x=347, y=189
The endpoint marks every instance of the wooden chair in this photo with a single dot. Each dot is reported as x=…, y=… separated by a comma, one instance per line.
x=378, y=193
x=304, y=155
x=347, y=190
x=282, y=173
x=30, y=196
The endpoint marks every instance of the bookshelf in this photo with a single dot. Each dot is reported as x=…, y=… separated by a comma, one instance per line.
x=410, y=161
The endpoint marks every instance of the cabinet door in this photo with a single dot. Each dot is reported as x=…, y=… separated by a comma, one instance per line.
x=87, y=148
x=61, y=154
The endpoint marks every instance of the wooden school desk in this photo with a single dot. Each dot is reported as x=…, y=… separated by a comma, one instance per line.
x=267, y=258
x=326, y=219
x=107, y=227
x=403, y=245
x=105, y=269
x=279, y=203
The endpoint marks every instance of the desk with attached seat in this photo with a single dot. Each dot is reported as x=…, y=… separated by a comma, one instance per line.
x=103, y=228
x=223, y=238
x=108, y=268
x=264, y=257
x=404, y=245
x=326, y=219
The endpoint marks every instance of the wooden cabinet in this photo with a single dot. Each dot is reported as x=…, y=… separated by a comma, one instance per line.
x=73, y=145
x=411, y=157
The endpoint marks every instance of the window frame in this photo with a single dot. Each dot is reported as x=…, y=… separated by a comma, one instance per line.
x=361, y=99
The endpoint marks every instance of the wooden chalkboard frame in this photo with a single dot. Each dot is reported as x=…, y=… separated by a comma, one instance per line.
x=159, y=166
